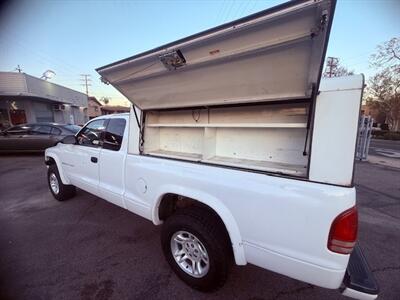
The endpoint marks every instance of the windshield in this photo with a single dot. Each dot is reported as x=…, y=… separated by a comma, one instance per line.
x=72, y=128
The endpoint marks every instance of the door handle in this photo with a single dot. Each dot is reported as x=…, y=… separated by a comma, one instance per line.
x=93, y=159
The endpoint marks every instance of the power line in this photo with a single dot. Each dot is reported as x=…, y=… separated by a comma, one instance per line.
x=18, y=39
x=220, y=12
x=68, y=70
x=43, y=59
x=253, y=7
x=357, y=57
x=246, y=7
x=240, y=7
x=228, y=12
x=136, y=72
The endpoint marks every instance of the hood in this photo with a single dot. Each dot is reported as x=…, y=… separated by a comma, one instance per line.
x=273, y=55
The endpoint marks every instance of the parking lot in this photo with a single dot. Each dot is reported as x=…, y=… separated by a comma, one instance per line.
x=86, y=248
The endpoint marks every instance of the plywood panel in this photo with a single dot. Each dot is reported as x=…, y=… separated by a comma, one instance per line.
x=287, y=113
x=152, y=139
x=210, y=142
x=186, y=140
x=192, y=116
x=274, y=145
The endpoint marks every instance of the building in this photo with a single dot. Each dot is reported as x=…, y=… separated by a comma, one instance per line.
x=114, y=109
x=94, y=108
x=28, y=99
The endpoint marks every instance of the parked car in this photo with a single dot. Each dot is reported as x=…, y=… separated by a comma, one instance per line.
x=237, y=148
x=34, y=137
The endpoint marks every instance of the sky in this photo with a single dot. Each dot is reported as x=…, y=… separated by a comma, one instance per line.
x=75, y=37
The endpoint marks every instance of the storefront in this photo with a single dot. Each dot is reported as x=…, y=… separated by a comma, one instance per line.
x=27, y=99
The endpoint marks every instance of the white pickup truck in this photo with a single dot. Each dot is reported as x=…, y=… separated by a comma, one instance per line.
x=237, y=148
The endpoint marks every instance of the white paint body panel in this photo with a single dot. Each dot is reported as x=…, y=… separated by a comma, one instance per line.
x=80, y=171
x=111, y=174
x=335, y=130
x=268, y=56
x=281, y=224
x=270, y=220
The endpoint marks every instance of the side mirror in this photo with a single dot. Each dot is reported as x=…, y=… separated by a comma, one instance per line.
x=69, y=139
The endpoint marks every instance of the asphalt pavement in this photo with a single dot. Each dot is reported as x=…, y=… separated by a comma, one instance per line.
x=385, y=148
x=87, y=248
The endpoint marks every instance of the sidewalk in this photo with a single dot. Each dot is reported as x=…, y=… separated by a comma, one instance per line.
x=384, y=161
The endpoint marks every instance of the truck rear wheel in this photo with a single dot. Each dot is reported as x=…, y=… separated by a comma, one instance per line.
x=59, y=190
x=196, y=247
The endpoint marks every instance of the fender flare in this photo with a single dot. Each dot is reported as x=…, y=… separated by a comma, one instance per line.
x=215, y=204
x=64, y=179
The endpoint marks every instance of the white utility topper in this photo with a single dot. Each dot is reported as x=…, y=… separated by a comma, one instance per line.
x=236, y=147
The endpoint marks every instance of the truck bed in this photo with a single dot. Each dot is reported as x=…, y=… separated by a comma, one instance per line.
x=268, y=138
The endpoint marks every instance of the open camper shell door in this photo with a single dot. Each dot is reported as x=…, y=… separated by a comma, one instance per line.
x=273, y=55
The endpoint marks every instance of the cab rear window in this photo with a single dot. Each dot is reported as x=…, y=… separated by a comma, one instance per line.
x=114, y=134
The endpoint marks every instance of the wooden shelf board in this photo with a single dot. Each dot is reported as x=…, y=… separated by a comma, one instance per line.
x=175, y=154
x=268, y=166
x=275, y=167
x=234, y=125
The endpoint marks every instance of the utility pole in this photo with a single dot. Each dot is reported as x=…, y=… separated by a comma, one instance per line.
x=86, y=79
x=18, y=68
x=331, y=65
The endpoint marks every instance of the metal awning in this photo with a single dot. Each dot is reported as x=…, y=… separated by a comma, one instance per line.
x=23, y=85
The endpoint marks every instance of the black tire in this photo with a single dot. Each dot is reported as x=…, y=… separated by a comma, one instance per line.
x=207, y=227
x=65, y=191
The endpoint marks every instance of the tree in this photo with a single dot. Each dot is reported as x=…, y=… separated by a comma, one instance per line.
x=334, y=69
x=384, y=95
x=383, y=92
x=388, y=55
x=105, y=100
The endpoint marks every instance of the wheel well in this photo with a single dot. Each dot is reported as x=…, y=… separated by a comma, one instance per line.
x=170, y=203
x=50, y=161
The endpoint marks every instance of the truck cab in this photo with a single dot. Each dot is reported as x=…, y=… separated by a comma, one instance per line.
x=237, y=148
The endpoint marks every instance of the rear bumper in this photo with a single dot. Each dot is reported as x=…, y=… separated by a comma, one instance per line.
x=359, y=282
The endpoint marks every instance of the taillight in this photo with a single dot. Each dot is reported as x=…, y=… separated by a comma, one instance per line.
x=343, y=233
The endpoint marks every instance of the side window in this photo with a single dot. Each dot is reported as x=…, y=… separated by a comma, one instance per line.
x=114, y=134
x=55, y=131
x=91, y=134
x=18, y=130
x=40, y=130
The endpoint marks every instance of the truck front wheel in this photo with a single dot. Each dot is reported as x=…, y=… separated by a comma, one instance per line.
x=59, y=190
x=196, y=247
